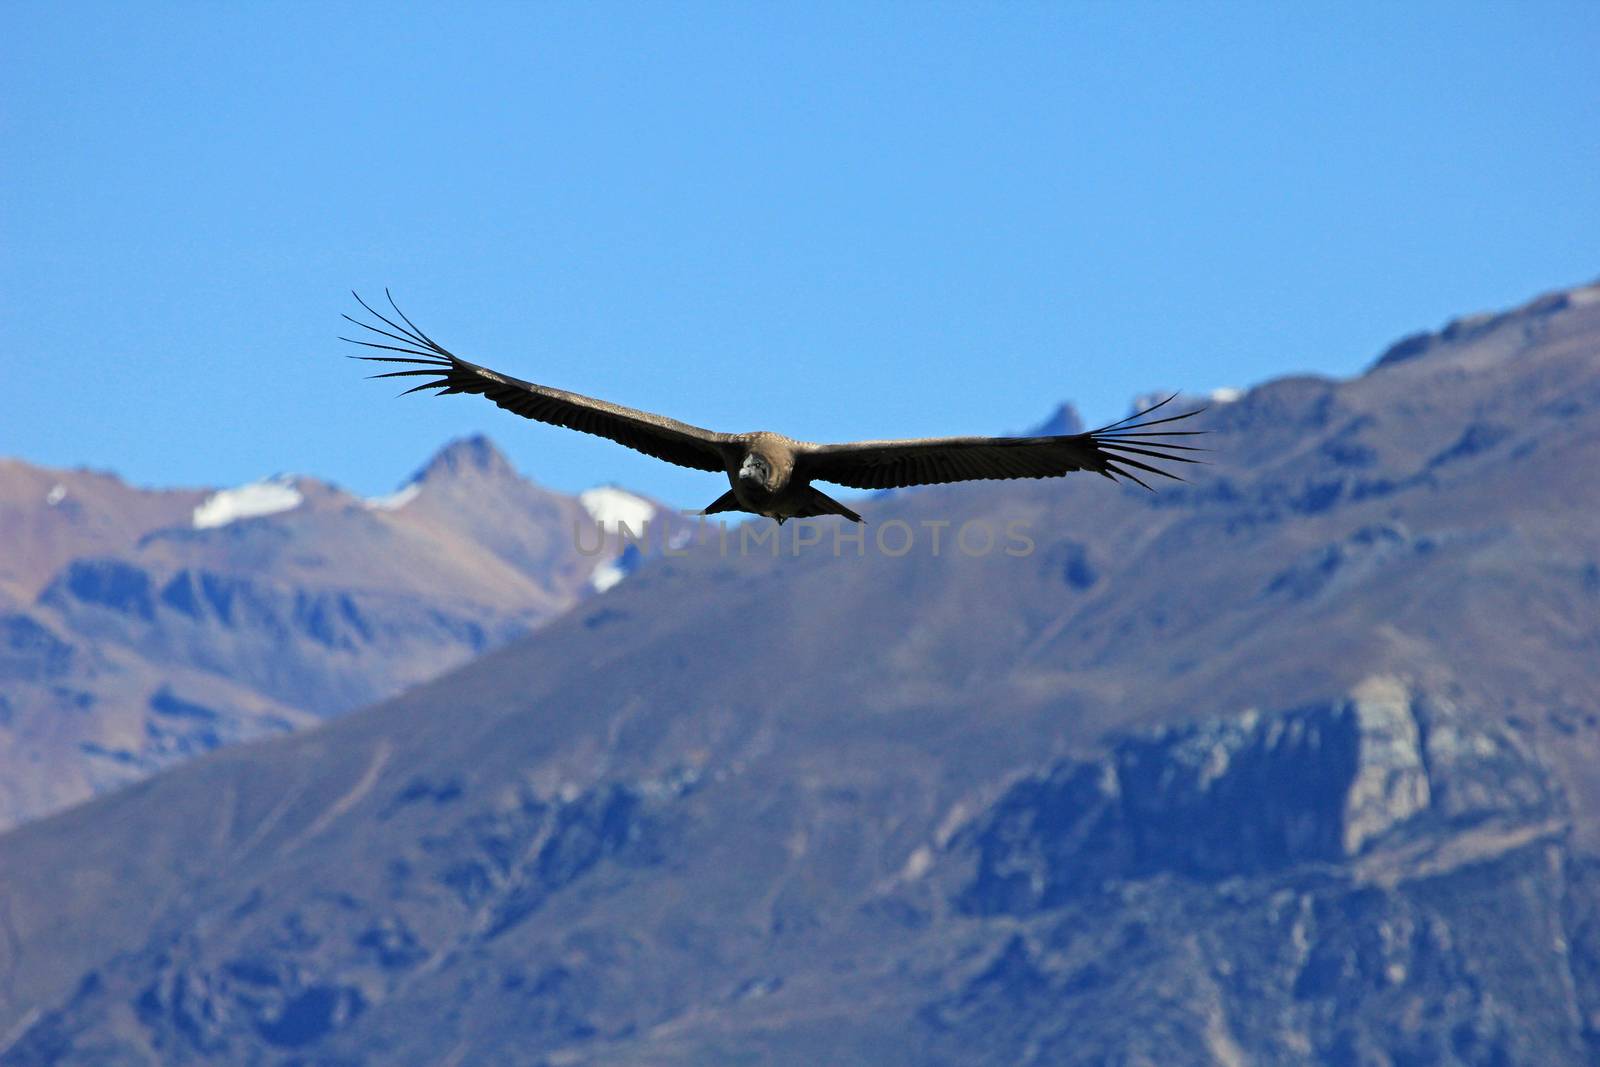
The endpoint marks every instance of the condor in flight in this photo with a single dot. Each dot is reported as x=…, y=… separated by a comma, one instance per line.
x=771, y=474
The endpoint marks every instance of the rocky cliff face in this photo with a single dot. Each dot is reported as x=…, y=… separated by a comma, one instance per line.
x=1475, y=965
x=1253, y=794
x=1383, y=879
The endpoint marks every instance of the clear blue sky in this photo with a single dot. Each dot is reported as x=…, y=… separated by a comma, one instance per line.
x=835, y=221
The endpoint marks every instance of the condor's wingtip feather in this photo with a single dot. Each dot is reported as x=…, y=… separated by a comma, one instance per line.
x=1126, y=427
x=419, y=356
x=418, y=330
x=1154, y=454
x=1121, y=441
x=406, y=373
x=1126, y=474
x=412, y=336
x=1136, y=414
x=405, y=339
x=1131, y=462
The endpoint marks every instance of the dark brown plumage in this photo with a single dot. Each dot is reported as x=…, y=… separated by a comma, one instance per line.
x=770, y=474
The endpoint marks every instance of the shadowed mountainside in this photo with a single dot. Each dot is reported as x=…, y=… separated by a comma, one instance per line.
x=139, y=628
x=1292, y=764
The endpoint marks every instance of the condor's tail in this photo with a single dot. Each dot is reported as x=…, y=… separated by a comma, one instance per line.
x=820, y=503
x=816, y=503
x=726, y=502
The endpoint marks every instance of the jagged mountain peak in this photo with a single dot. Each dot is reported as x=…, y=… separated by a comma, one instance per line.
x=1063, y=420
x=474, y=456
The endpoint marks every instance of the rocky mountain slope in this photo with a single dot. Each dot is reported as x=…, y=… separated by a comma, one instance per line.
x=1293, y=764
x=142, y=627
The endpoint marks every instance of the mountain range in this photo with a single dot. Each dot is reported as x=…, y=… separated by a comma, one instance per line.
x=139, y=627
x=1294, y=763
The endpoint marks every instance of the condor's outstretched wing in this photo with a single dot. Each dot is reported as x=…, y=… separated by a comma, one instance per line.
x=1111, y=450
x=654, y=435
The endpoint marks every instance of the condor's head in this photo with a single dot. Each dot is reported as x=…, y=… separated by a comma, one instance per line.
x=756, y=472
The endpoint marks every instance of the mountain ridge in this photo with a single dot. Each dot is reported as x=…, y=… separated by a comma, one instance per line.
x=809, y=804
x=263, y=607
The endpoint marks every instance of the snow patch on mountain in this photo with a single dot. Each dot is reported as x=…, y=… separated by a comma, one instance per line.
x=56, y=495
x=266, y=497
x=396, y=500
x=1225, y=394
x=612, y=509
x=612, y=571
x=608, y=505
x=606, y=575
x=1584, y=295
